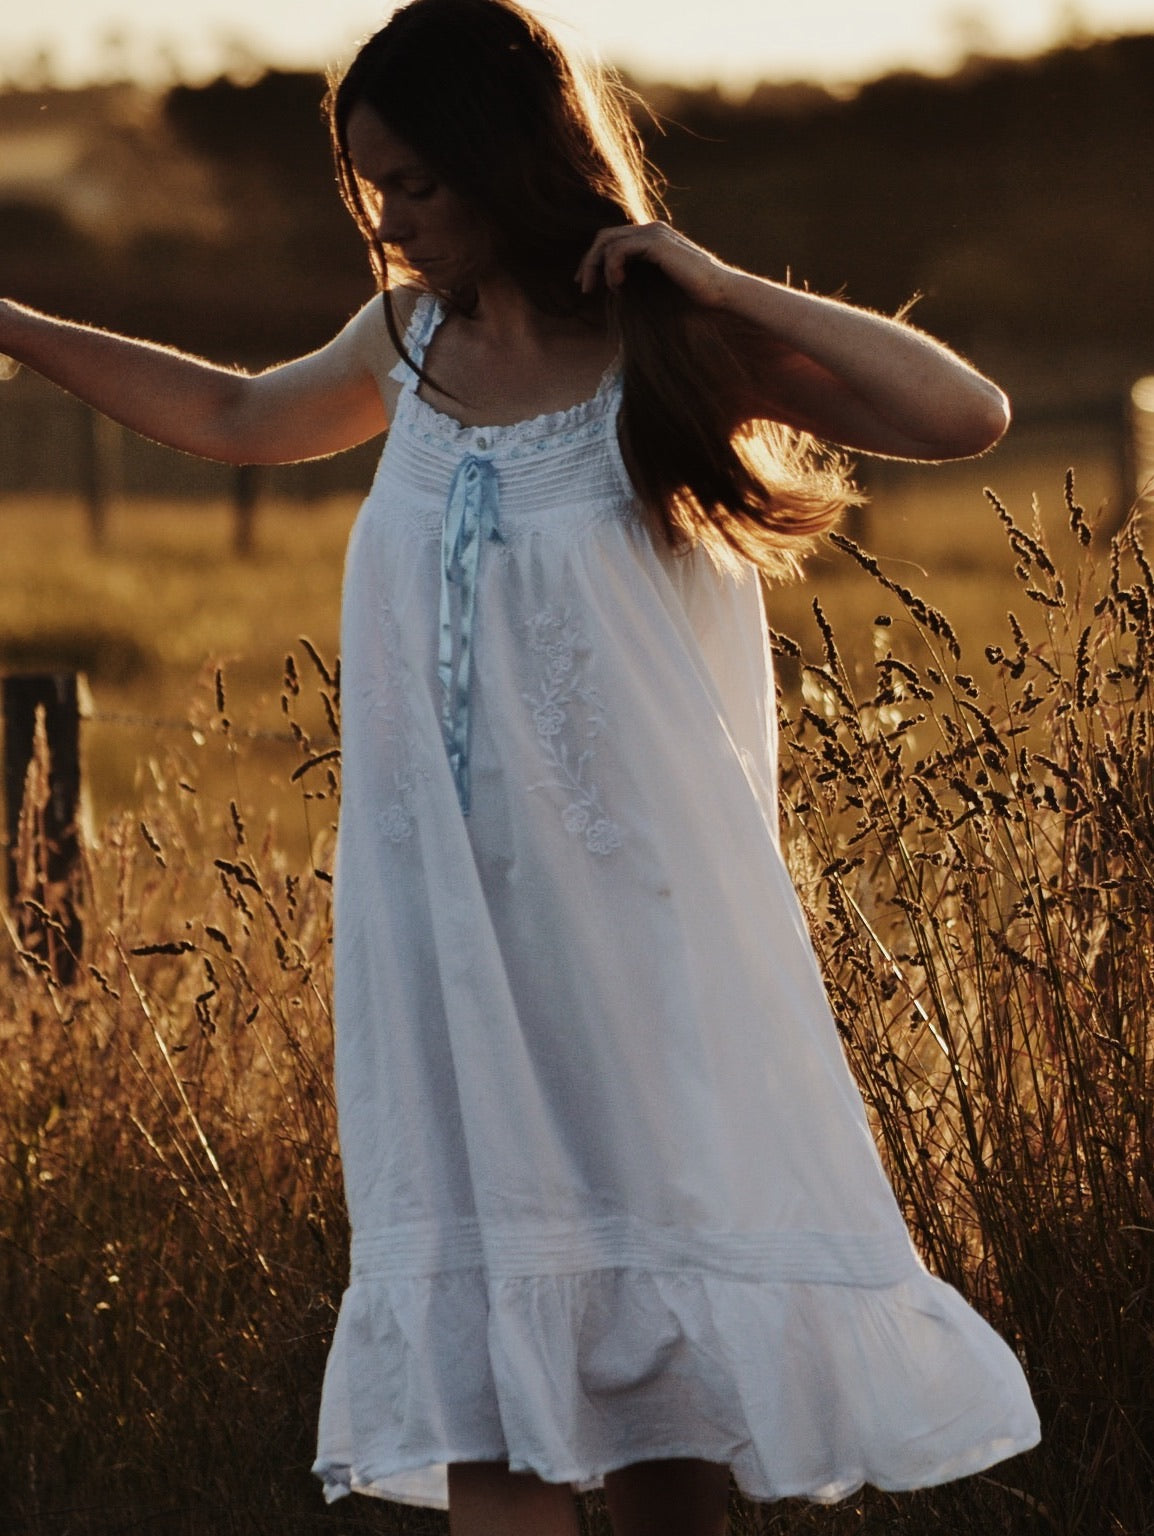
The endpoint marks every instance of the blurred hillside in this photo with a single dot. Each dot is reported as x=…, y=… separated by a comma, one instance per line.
x=204, y=217
x=1013, y=196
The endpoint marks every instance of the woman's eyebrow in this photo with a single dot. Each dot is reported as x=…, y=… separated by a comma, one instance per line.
x=397, y=174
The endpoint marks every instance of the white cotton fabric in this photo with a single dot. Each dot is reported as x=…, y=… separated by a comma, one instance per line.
x=612, y=1188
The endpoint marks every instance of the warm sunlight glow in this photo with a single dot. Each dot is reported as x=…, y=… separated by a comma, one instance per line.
x=735, y=42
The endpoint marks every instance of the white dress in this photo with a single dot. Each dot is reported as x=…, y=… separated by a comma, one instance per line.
x=612, y=1189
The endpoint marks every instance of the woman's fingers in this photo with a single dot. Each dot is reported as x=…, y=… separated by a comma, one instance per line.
x=594, y=266
x=687, y=264
x=614, y=247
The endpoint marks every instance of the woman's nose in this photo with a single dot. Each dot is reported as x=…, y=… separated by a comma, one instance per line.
x=393, y=224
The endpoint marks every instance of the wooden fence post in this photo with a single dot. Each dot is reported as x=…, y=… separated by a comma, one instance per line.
x=99, y=467
x=245, y=490
x=42, y=794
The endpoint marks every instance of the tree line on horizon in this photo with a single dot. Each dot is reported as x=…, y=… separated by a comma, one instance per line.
x=1011, y=197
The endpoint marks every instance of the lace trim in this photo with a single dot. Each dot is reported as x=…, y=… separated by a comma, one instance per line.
x=515, y=444
x=565, y=690
x=423, y=322
x=433, y=425
x=551, y=427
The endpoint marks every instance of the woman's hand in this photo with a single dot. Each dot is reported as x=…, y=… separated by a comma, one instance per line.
x=701, y=276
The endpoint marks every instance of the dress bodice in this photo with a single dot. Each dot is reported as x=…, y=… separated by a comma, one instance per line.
x=555, y=472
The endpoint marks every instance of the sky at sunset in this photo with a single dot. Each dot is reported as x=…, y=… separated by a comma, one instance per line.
x=732, y=41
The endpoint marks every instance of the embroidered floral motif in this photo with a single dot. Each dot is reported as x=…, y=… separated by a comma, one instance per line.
x=575, y=818
x=387, y=700
x=565, y=696
x=395, y=821
x=548, y=719
x=603, y=836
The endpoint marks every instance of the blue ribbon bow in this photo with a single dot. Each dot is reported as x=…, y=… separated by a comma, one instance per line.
x=470, y=518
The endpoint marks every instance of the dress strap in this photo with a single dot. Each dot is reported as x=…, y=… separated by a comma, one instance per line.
x=427, y=315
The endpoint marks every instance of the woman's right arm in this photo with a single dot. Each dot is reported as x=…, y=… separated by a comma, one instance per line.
x=304, y=409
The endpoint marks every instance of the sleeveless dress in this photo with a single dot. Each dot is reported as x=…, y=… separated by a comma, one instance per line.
x=612, y=1188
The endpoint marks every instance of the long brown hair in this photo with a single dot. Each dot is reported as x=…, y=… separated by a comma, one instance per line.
x=547, y=152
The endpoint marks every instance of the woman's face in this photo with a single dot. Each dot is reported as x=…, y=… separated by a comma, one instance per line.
x=434, y=230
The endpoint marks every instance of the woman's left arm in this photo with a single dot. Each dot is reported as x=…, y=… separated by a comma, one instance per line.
x=845, y=374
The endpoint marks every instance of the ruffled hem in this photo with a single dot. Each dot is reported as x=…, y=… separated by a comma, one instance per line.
x=804, y=1390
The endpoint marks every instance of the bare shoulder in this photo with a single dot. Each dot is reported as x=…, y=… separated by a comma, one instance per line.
x=375, y=345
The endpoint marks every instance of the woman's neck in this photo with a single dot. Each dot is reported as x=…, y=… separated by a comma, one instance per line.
x=507, y=315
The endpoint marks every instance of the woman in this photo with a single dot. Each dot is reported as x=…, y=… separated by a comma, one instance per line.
x=617, y=1216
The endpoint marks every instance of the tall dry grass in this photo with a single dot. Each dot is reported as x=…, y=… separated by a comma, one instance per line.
x=972, y=837
x=169, y=1197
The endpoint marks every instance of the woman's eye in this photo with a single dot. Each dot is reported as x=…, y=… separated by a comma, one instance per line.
x=422, y=189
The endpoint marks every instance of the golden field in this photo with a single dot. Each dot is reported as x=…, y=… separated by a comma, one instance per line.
x=152, y=615
x=968, y=818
